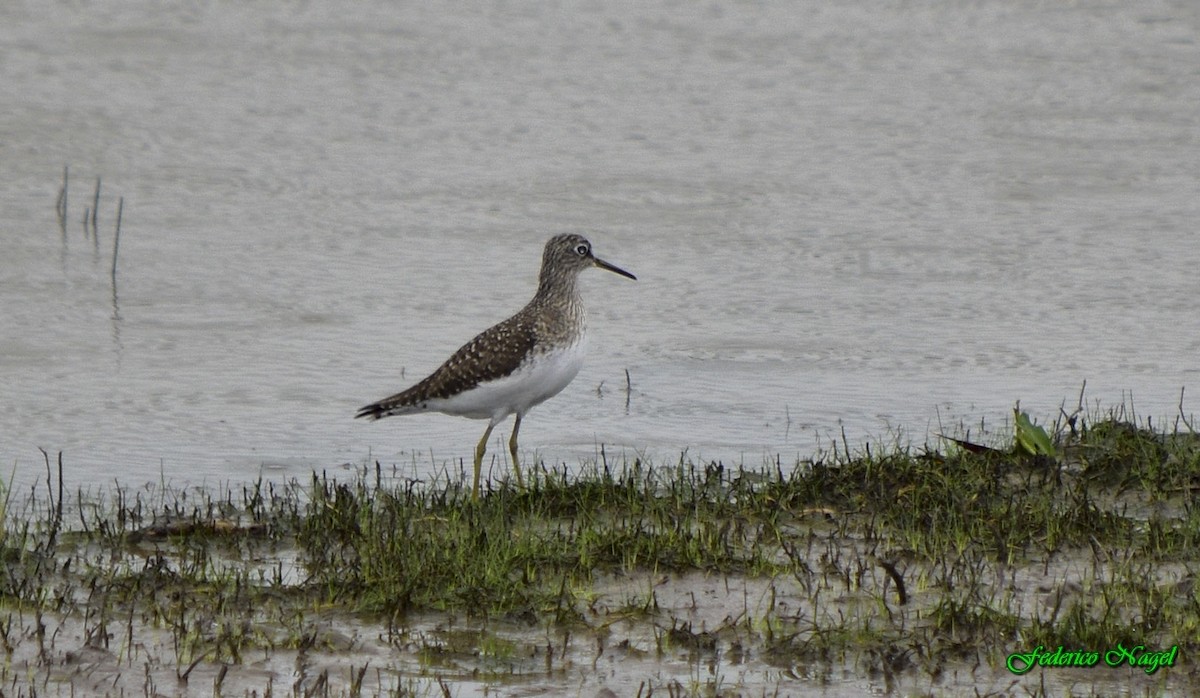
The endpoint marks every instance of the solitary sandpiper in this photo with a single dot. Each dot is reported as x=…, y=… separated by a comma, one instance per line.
x=516, y=364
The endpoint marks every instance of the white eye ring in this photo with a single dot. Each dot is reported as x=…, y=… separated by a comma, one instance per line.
x=581, y=250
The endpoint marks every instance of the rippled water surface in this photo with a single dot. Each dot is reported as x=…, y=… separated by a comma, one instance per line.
x=860, y=215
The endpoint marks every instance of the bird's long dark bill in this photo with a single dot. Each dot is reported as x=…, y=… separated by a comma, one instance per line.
x=613, y=268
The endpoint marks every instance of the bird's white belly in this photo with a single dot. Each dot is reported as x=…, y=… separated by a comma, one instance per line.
x=535, y=381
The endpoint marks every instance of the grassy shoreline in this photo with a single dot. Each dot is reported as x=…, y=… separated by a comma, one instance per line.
x=924, y=569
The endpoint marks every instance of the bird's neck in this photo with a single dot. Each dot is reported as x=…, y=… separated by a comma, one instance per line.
x=557, y=286
x=559, y=307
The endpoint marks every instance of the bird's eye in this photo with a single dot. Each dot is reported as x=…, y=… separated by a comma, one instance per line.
x=581, y=250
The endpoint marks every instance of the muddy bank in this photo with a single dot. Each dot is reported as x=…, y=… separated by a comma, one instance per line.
x=1048, y=560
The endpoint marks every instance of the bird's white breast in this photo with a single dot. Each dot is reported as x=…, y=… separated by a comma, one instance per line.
x=540, y=377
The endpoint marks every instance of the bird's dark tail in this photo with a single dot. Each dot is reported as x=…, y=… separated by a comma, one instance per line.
x=373, y=411
x=400, y=403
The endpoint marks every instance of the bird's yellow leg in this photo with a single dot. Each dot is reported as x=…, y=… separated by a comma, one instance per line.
x=479, y=451
x=512, y=448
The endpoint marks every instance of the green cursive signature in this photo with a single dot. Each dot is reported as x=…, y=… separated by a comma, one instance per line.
x=1149, y=661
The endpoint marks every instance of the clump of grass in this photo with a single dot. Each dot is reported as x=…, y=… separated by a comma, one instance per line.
x=515, y=552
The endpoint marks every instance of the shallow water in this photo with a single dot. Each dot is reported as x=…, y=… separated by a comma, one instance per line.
x=864, y=216
x=685, y=634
